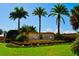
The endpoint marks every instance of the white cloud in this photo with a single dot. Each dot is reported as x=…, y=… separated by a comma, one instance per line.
x=48, y=30
x=62, y=31
x=68, y=31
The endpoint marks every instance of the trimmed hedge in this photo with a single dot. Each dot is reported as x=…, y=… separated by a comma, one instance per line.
x=11, y=35
x=66, y=37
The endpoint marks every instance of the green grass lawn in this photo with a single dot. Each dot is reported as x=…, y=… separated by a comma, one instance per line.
x=55, y=50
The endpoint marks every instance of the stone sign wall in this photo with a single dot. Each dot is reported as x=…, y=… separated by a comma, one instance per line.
x=47, y=35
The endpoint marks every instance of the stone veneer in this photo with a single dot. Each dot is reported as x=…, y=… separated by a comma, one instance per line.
x=45, y=35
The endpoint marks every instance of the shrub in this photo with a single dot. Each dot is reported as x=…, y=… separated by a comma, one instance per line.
x=21, y=37
x=58, y=36
x=11, y=35
x=27, y=29
x=7, y=41
x=69, y=38
x=66, y=37
x=12, y=45
x=75, y=46
x=1, y=31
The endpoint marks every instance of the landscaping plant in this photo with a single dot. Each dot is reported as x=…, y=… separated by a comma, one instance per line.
x=21, y=38
x=1, y=31
x=74, y=19
x=75, y=46
x=11, y=35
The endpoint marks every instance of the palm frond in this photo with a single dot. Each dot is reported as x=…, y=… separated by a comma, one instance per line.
x=61, y=9
x=18, y=13
x=52, y=14
x=39, y=11
x=63, y=20
x=74, y=19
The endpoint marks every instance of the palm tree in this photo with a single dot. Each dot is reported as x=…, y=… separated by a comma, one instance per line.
x=39, y=11
x=18, y=13
x=59, y=10
x=74, y=18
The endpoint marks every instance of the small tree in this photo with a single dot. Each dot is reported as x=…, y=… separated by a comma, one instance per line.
x=74, y=19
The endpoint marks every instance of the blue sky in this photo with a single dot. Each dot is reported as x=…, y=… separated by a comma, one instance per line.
x=48, y=23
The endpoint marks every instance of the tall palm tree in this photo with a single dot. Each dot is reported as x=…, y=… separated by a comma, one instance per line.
x=39, y=11
x=59, y=10
x=74, y=18
x=18, y=13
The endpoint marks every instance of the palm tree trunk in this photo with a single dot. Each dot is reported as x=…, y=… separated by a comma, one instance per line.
x=39, y=27
x=18, y=24
x=58, y=23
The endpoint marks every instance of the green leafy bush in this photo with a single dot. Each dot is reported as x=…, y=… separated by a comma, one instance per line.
x=66, y=37
x=1, y=31
x=58, y=36
x=26, y=28
x=11, y=35
x=21, y=37
x=69, y=38
x=75, y=46
x=12, y=45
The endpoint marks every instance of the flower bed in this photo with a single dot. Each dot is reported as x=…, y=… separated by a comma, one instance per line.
x=38, y=42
